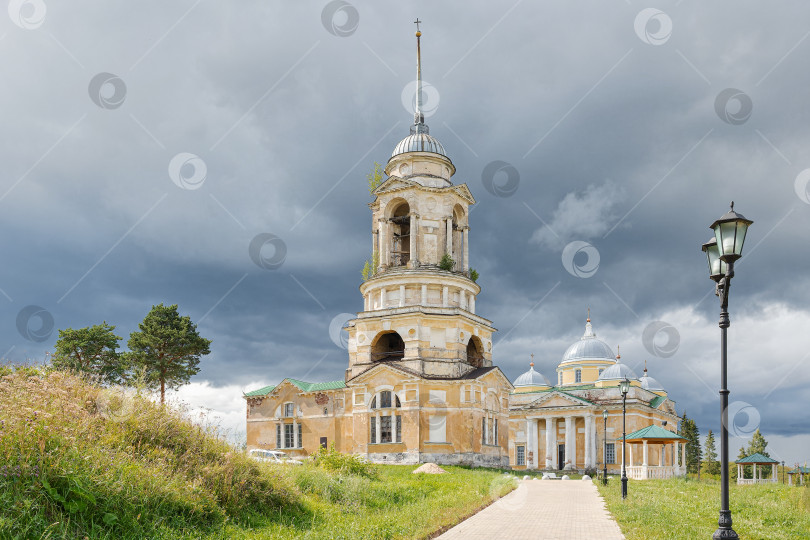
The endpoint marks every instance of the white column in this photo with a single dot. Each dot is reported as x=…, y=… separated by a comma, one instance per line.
x=414, y=228
x=529, y=444
x=462, y=299
x=661, y=456
x=295, y=434
x=588, y=449
x=380, y=240
x=569, y=444
x=378, y=430
x=683, y=457
x=644, y=442
x=401, y=295
x=535, y=443
x=366, y=300
x=384, y=251
x=449, y=247
x=472, y=303
x=551, y=440
x=466, y=249
x=629, y=455
x=445, y=296
x=382, y=298
x=424, y=295
x=774, y=472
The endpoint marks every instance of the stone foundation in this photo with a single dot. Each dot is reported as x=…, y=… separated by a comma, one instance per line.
x=469, y=459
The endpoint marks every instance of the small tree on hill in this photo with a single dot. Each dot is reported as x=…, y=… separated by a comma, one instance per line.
x=167, y=349
x=92, y=350
x=710, y=463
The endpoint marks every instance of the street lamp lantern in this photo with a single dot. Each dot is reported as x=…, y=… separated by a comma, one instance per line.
x=729, y=231
x=721, y=251
x=604, y=460
x=624, y=387
x=717, y=268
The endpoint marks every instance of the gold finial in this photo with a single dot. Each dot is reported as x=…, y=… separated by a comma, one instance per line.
x=531, y=364
x=589, y=315
x=618, y=353
x=645, y=365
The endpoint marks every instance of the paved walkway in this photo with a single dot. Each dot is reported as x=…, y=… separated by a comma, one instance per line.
x=542, y=509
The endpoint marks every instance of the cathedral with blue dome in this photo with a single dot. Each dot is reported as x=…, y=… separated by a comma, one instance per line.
x=575, y=423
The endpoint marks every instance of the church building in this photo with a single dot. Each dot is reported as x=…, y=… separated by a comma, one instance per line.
x=420, y=385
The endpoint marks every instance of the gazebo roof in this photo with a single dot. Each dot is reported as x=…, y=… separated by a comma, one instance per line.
x=653, y=432
x=800, y=470
x=757, y=458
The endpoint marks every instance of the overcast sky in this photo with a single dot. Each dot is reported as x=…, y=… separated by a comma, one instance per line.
x=146, y=145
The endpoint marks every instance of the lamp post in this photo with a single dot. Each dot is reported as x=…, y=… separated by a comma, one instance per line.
x=625, y=387
x=604, y=460
x=722, y=251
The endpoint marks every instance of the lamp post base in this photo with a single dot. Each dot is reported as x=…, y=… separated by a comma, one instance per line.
x=624, y=487
x=724, y=531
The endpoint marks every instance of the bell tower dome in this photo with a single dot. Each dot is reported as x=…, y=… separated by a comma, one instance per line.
x=419, y=304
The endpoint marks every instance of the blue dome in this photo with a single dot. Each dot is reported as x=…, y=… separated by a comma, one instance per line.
x=532, y=378
x=419, y=142
x=617, y=372
x=648, y=383
x=588, y=348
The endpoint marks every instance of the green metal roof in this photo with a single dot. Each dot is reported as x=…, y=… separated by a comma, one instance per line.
x=756, y=458
x=314, y=387
x=656, y=401
x=800, y=470
x=301, y=385
x=653, y=432
x=260, y=392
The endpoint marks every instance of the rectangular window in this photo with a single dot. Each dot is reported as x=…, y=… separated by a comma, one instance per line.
x=288, y=436
x=399, y=428
x=438, y=428
x=385, y=400
x=610, y=450
x=520, y=455
x=300, y=436
x=373, y=438
x=278, y=436
x=495, y=432
x=484, y=430
x=385, y=429
x=289, y=409
x=578, y=375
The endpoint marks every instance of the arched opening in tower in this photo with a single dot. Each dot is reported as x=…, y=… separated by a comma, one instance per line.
x=401, y=235
x=387, y=346
x=475, y=352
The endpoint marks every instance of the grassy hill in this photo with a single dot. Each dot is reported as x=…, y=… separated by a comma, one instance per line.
x=81, y=461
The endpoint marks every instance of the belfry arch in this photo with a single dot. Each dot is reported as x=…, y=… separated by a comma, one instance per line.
x=475, y=352
x=399, y=219
x=387, y=346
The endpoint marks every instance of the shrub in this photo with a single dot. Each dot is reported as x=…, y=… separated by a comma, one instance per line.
x=447, y=262
x=335, y=461
x=473, y=275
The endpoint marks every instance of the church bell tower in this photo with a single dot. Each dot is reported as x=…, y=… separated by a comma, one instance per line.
x=419, y=304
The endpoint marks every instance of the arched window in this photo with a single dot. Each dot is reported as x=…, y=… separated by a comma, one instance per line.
x=401, y=235
x=385, y=427
x=385, y=400
x=387, y=346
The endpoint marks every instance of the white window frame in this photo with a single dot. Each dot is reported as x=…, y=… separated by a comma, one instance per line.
x=289, y=410
x=520, y=455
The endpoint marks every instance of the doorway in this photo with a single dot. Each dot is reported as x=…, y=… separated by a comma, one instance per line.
x=323, y=443
x=561, y=457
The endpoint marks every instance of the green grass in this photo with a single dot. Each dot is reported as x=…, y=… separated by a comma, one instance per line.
x=79, y=461
x=688, y=509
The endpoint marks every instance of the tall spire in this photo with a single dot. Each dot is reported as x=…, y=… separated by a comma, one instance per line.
x=419, y=125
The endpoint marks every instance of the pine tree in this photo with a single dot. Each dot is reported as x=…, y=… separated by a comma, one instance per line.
x=710, y=464
x=757, y=445
x=693, y=451
x=167, y=348
x=92, y=350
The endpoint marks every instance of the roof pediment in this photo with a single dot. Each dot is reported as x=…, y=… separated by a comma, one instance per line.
x=394, y=183
x=380, y=369
x=557, y=399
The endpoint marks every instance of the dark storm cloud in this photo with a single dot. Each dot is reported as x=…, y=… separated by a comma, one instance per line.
x=611, y=123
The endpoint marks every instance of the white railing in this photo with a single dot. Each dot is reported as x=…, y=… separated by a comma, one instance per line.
x=748, y=481
x=647, y=472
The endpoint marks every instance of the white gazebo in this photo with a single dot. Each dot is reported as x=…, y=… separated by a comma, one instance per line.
x=801, y=471
x=655, y=434
x=756, y=460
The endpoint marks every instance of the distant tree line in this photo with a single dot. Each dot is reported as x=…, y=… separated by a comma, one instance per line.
x=163, y=353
